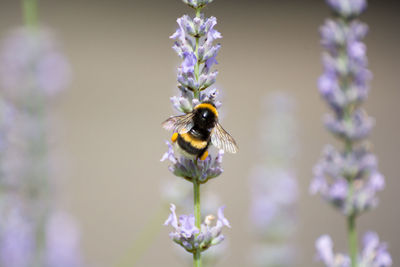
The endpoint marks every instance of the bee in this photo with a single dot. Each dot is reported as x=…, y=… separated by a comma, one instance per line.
x=195, y=131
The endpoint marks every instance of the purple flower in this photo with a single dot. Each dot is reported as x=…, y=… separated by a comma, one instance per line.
x=190, y=237
x=189, y=62
x=197, y=3
x=203, y=170
x=324, y=246
x=273, y=186
x=348, y=8
x=32, y=70
x=350, y=71
x=181, y=104
x=188, y=229
x=274, y=192
x=17, y=239
x=374, y=253
x=62, y=241
x=205, y=56
x=332, y=34
x=349, y=179
x=357, y=127
x=332, y=175
x=194, y=43
x=32, y=65
x=170, y=155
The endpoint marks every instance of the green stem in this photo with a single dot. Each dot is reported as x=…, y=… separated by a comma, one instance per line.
x=353, y=246
x=197, y=215
x=196, y=92
x=196, y=184
x=30, y=12
x=351, y=219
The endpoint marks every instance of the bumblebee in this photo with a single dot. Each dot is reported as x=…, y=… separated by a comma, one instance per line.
x=193, y=132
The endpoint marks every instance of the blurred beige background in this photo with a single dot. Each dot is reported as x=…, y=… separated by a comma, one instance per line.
x=124, y=74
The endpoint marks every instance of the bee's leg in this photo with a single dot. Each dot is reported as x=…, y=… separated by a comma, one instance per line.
x=204, y=155
x=174, y=137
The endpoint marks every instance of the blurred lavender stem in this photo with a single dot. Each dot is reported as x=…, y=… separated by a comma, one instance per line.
x=353, y=246
x=351, y=219
x=30, y=13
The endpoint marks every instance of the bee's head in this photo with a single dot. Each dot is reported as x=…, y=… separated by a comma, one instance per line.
x=205, y=115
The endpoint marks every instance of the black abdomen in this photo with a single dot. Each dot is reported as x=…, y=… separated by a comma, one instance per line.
x=194, y=142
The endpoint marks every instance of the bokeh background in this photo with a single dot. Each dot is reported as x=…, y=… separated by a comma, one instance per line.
x=125, y=72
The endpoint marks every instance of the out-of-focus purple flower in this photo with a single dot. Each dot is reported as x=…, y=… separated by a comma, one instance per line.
x=17, y=237
x=332, y=175
x=274, y=193
x=357, y=127
x=62, y=241
x=374, y=253
x=344, y=85
x=349, y=179
x=348, y=8
x=190, y=169
x=324, y=246
x=350, y=71
x=190, y=237
x=273, y=185
x=32, y=70
x=32, y=66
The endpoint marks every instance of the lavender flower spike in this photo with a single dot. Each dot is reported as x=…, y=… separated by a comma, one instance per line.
x=273, y=185
x=348, y=179
x=32, y=71
x=195, y=45
x=190, y=237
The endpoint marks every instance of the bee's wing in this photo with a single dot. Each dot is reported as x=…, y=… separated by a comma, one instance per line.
x=180, y=124
x=223, y=140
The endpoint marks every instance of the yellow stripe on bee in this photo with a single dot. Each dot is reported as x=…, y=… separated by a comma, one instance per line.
x=199, y=144
x=174, y=137
x=208, y=106
x=204, y=155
